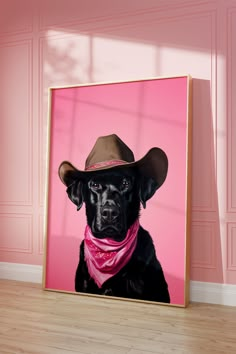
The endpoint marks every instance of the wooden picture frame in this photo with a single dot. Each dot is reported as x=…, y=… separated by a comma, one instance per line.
x=146, y=113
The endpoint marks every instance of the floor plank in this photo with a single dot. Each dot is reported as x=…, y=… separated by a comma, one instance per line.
x=34, y=321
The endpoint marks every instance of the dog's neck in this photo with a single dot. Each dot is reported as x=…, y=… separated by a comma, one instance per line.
x=105, y=257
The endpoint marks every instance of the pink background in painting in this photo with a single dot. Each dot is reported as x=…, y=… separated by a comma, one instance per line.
x=143, y=114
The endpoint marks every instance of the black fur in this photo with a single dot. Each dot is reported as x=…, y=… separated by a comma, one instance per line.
x=112, y=198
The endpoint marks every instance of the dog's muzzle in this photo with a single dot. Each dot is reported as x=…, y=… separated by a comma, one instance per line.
x=109, y=214
x=110, y=218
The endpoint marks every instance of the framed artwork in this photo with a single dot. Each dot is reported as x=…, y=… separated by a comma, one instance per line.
x=119, y=190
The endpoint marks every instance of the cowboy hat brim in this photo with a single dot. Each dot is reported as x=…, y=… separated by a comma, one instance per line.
x=154, y=164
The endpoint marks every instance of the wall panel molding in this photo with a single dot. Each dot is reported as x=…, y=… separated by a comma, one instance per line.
x=42, y=134
x=23, y=48
x=16, y=233
x=211, y=205
x=203, y=245
x=231, y=109
x=231, y=246
x=41, y=237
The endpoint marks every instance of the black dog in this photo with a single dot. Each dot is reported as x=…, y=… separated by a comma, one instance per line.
x=112, y=198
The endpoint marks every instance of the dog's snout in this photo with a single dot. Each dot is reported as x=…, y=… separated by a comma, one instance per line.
x=109, y=213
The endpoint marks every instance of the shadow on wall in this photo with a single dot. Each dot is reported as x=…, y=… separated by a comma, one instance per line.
x=206, y=247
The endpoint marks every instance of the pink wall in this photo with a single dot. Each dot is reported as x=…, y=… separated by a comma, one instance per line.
x=91, y=41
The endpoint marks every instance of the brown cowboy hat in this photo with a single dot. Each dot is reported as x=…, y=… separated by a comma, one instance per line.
x=109, y=152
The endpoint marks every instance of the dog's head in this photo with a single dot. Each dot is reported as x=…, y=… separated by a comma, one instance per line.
x=112, y=198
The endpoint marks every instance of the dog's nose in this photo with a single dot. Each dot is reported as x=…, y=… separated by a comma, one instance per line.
x=109, y=213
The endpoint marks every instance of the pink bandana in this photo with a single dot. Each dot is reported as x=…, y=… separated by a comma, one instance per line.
x=105, y=257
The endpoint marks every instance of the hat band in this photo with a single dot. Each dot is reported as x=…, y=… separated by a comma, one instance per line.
x=105, y=164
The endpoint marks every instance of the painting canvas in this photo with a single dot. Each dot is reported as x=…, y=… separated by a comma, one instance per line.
x=119, y=190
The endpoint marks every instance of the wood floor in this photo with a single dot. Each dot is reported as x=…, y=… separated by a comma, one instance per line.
x=34, y=321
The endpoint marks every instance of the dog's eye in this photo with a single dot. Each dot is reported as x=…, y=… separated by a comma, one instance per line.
x=95, y=185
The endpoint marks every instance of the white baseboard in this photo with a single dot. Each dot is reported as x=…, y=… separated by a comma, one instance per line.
x=21, y=272
x=212, y=293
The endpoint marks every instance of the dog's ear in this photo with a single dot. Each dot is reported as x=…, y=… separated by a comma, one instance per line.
x=72, y=179
x=75, y=193
x=69, y=176
x=147, y=188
